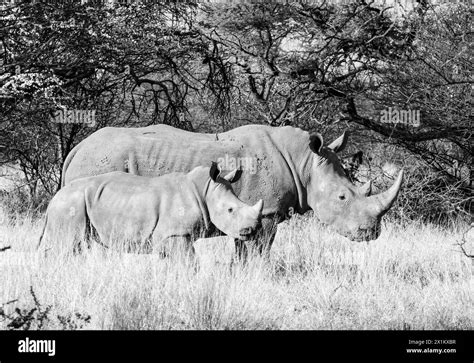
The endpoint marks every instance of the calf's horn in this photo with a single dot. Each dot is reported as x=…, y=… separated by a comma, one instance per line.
x=258, y=207
x=366, y=189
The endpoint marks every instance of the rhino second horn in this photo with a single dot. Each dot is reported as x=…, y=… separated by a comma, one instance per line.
x=366, y=189
x=384, y=201
x=258, y=207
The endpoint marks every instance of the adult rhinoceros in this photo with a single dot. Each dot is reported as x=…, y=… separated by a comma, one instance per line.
x=293, y=171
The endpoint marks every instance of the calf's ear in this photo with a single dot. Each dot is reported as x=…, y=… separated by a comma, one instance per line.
x=214, y=171
x=340, y=143
x=233, y=176
x=315, y=142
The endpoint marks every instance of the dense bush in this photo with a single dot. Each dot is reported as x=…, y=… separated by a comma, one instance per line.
x=18, y=203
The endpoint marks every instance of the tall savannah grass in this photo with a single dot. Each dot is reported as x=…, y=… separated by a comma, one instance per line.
x=410, y=278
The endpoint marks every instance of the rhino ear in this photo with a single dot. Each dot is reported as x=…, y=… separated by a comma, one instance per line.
x=214, y=171
x=340, y=143
x=315, y=142
x=233, y=176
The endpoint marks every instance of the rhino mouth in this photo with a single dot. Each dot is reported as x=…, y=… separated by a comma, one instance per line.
x=364, y=235
x=361, y=239
x=247, y=233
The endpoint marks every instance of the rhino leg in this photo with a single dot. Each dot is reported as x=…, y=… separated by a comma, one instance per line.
x=266, y=235
x=63, y=238
x=179, y=249
x=66, y=227
x=79, y=234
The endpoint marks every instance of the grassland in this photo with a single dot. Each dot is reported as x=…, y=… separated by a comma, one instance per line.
x=412, y=277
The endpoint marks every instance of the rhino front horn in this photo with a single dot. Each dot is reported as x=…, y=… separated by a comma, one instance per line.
x=384, y=201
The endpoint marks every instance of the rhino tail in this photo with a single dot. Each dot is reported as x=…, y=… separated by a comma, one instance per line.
x=89, y=233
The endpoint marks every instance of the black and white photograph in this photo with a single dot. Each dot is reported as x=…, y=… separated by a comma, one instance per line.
x=237, y=166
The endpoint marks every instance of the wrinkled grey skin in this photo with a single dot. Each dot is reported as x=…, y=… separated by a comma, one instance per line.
x=294, y=171
x=146, y=212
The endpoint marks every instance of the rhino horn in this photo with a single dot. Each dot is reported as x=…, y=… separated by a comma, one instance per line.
x=258, y=207
x=384, y=201
x=366, y=189
x=340, y=143
x=234, y=175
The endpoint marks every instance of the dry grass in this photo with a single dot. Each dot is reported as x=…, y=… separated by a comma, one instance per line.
x=411, y=278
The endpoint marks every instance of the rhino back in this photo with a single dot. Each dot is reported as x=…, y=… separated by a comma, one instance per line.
x=161, y=149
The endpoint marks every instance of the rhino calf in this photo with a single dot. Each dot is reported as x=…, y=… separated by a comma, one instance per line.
x=150, y=212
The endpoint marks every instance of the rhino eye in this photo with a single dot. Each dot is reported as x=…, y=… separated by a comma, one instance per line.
x=342, y=197
x=230, y=210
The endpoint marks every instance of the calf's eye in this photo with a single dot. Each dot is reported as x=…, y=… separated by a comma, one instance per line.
x=230, y=210
x=342, y=197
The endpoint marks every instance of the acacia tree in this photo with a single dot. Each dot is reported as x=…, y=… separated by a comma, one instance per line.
x=133, y=64
x=435, y=78
x=328, y=67
x=295, y=62
x=306, y=64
